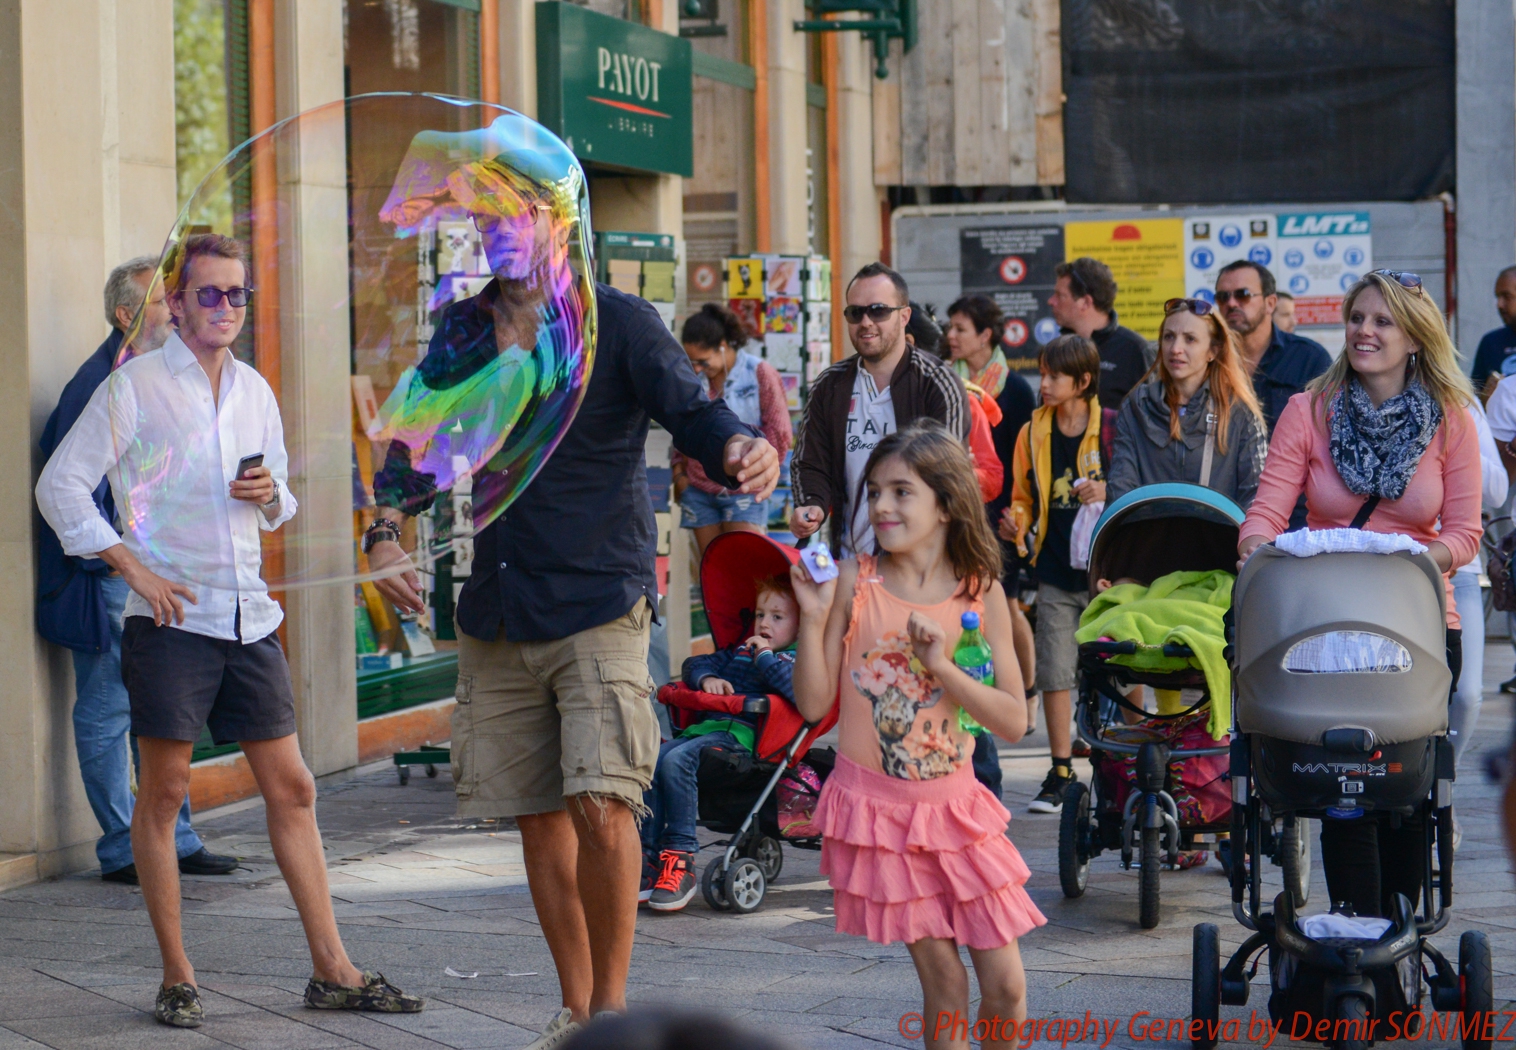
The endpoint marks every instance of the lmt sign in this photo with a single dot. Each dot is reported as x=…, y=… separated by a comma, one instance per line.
x=616, y=92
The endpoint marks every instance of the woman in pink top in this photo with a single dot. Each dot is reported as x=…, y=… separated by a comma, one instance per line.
x=914, y=846
x=1382, y=442
x=754, y=393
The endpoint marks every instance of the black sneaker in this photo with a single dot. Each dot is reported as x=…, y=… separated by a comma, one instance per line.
x=650, y=873
x=127, y=876
x=204, y=862
x=676, y=881
x=1508, y=686
x=1050, y=796
x=179, y=1006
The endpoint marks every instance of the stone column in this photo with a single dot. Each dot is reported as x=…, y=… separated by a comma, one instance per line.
x=518, y=55
x=787, y=127
x=857, y=196
x=316, y=390
x=85, y=184
x=1486, y=164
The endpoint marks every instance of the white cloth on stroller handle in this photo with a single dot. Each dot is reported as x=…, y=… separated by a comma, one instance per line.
x=1318, y=927
x=1309, y=542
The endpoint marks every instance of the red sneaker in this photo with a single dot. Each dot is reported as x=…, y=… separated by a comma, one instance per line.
x=676, y=881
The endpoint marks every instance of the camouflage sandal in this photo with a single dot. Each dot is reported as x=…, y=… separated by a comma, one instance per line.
x=376, y=995
x=179, y=1006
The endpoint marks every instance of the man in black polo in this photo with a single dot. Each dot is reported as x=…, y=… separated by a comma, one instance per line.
x=1497, y=349
x=1083, y=302
x=554, y=724
x=1281, y=363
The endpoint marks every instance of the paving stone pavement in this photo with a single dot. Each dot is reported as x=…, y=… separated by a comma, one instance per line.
x=419, y=891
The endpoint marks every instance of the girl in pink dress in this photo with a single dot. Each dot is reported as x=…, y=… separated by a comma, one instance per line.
x=914, y=847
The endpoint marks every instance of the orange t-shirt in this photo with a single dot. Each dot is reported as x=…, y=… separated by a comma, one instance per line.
x=894, y=717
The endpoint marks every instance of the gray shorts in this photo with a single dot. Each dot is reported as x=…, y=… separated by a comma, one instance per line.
x=1057, y=653
x=178, y=683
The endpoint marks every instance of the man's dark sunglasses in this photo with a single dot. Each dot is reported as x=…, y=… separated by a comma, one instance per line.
x=236, y=298
x=1406, y=280
x=1242, y=295
x=1198, y=307
x=876, y=312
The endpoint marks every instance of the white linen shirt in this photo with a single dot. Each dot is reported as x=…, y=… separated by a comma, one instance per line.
x=170, y=451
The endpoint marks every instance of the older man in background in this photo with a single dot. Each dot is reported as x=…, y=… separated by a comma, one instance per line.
x=80, y=601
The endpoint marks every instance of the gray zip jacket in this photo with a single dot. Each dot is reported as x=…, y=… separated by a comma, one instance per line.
x=1145, y=454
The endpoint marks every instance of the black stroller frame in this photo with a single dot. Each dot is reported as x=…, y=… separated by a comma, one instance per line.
x=1149, y=532
x=1355, y=991
x=1149, y=827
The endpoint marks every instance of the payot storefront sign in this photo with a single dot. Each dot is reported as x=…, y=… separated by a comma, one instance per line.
x=617, y=92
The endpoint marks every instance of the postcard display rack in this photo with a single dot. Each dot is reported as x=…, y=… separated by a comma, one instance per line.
x=404, y=659
x=785, y=303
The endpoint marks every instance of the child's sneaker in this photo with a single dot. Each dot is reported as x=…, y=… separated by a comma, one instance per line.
x=676, y=881
x=650, y=872
x=1050, y=796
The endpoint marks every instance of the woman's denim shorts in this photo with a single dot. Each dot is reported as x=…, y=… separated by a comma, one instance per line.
x=702, y=509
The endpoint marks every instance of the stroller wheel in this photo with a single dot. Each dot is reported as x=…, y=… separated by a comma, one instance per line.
x=1147, y=878
x=745, y=885
x=1295, y=859
x=1351, y=1017
x=1476, y=981
x=713, y=886
x=768, y=853
x=1073, y=840
x=1205, y=984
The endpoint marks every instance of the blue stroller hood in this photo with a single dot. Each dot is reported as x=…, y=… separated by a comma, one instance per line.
x=1158, y=529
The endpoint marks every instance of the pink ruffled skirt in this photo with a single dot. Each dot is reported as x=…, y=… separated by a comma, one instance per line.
x=909, y=859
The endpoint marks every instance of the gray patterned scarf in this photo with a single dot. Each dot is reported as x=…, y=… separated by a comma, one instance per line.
x=1376, y=450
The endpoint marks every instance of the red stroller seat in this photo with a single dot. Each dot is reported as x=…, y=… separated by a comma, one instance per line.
x=729, y=574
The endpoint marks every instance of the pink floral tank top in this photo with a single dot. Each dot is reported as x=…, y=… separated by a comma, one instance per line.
x=895, y=718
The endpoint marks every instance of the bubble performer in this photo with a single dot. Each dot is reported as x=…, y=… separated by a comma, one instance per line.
x=190, y=426
x=554, y=724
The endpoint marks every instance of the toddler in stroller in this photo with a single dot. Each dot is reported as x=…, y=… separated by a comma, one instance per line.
x=1158, y=791
x=734, y=715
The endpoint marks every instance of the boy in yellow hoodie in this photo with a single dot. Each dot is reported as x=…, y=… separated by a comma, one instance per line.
x=1060, y=463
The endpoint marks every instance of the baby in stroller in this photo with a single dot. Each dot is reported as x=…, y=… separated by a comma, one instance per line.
x=763, y=663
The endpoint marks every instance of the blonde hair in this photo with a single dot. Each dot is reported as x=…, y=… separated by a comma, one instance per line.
x=1225, y=376
x=1434, y=361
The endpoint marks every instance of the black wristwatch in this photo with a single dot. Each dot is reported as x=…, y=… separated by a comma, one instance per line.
x=382, y=529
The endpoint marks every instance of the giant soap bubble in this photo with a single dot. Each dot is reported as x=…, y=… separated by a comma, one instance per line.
x=423, y=308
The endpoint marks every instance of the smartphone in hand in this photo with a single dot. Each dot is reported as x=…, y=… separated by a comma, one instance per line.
x=247, y=463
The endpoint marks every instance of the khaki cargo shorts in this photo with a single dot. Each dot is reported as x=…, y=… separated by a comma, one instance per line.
x=539, y=722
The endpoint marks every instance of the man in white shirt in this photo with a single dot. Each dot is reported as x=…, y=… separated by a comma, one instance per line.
x=169, y=430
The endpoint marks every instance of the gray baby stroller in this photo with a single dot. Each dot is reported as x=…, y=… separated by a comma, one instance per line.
x=1341, y=696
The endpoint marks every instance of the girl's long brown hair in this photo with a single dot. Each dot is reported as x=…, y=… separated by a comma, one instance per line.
x=1227, y=379
x=942, y=461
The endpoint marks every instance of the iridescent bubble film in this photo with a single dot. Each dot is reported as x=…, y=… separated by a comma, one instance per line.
x=423, y=309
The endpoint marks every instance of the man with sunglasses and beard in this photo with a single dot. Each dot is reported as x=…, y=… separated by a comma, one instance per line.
x=198, y=645
x=1281, y=363
x=855, y=403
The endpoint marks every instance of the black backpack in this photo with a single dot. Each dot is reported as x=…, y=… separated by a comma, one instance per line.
x=1498, y=568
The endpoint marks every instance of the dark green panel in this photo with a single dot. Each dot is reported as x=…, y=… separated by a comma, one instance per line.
x=616, y=92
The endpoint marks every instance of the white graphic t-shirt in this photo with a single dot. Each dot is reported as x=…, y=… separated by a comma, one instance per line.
x=870, y=416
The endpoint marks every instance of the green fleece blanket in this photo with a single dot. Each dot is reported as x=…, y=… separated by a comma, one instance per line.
x=1183, y=607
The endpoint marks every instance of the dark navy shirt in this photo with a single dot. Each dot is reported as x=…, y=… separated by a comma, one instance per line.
x=1290, y=362
x=576, y=549
x=1496, y=353
x=54, y=568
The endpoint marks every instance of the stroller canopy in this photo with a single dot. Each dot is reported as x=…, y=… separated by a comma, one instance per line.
x=1383, y=615
x=1158, y=529
x=729, y=574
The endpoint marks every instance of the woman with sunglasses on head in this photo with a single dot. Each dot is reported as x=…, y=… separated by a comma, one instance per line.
x=752, y=390
x=1383, y=442
x=1197, y=421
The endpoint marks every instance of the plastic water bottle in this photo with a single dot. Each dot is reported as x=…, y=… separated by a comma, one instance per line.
x=974, y=657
